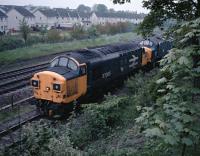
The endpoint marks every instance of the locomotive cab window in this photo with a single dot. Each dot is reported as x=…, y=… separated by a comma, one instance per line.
x=146, y=43
x=64, y=62
x=82, y=70
x=72, y=65
x=54, y=63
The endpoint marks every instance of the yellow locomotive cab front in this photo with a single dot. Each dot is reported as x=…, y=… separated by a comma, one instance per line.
x=53, y=87
x=49, y=86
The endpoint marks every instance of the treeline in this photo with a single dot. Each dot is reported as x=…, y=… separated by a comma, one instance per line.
x=79, y=32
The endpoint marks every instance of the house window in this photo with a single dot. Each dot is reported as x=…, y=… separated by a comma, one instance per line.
x=16, y=17
x=40, y=18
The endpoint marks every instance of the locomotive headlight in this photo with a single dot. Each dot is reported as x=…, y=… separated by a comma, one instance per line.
x=57, y=87
x=35, y=83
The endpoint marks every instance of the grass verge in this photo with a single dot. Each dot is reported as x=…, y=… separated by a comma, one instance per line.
x=50, y=48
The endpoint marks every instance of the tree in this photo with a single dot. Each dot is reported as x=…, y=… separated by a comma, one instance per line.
x=183, y=10
x=172, y=123
x=161, y=10
x=83, y=8
x=121, y=1
x=111, y=10
x=150, y=22
x=24, y=29
x=100, y=8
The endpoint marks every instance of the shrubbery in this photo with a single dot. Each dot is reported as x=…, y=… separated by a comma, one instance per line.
x=98, y=120
x=9, y=43
x=78, y=32
x=44, y=138
x=54, y=35
x=112, y=29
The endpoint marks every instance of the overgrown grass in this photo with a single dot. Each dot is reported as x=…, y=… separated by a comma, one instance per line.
x=45, y=49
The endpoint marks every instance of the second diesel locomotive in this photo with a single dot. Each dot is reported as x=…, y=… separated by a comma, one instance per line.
x=71, y=76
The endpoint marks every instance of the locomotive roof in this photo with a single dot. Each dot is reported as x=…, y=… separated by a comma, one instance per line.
x=156, y=39
x=103, y=52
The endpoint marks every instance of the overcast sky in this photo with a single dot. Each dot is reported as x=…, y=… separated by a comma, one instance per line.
x=135, y=5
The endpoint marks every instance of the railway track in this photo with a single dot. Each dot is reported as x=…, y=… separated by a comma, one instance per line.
x=10, y=130
x=12, y=105
x=15, y=79
x=13, y=124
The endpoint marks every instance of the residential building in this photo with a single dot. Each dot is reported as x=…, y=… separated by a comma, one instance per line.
x=3, y=22
x=63, y=20
x=42, y=16
x=74, y=17
x=114, y=17
x=16, y=14
x=85, y=19
x=46, y=18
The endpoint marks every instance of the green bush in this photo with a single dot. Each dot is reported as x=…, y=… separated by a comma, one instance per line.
x=111, y=29
x=34, y=40
x=10, y=43
x=92, y=32
x=78, y=32
x=54, y=35
x=98, y=120
x=43, y=138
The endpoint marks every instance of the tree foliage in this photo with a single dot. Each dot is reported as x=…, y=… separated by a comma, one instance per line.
x=24, y=29
x=121, y=1
x=83, y=8
x=100, y=8
x=178, y=9
x=161, y=10
x=174, y=118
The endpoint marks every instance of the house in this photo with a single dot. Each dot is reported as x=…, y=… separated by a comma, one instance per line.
x=46, y=18
x=85, y=19
x=114, y=17
x=63, y=20
x=6, y=8
x=16, y=14
x=3, y=22
x=74, y=17
x=42, y=16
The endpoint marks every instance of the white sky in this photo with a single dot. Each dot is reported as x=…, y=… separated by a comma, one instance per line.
x=135, y=5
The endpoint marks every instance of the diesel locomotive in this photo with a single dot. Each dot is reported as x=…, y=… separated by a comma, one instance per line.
x=80, y=72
